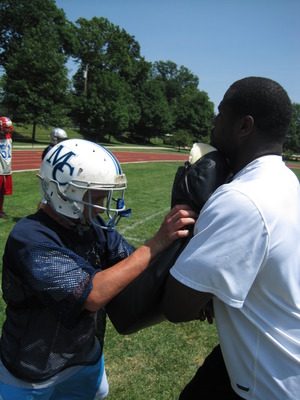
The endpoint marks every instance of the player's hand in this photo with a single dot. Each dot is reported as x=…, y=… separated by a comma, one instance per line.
x=175, y=226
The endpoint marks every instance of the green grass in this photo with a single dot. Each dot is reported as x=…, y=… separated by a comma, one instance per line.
x=157, y=362
x=23, y=134
x=23, y=138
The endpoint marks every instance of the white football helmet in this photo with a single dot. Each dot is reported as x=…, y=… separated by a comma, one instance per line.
x=74, y=167
x=58, y=135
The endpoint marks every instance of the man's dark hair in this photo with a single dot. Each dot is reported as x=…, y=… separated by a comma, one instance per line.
x=265, y=100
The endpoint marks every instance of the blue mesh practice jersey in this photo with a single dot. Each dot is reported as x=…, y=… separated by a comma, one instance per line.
x=46, y=280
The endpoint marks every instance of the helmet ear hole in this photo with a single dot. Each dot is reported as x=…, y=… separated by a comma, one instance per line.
x=63, y=201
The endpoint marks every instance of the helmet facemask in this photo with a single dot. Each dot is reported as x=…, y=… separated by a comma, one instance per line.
x=111, y=211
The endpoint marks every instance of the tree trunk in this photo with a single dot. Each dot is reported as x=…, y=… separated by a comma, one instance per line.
x=33, y=132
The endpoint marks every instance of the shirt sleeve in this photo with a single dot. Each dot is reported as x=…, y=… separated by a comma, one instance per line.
x=58, y=277
x=228, y=248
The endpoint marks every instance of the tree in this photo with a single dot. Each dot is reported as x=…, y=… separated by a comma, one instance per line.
x=190, y=108
x=156, y=119
x=194, y=113
x=108, y=107
x=176, y=80
x=115, y=71
x=35, y=42
x=182, y=139
x=292, y=144
x=114, y=90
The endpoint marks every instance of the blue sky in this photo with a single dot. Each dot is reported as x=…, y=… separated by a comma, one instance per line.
x=220, y=41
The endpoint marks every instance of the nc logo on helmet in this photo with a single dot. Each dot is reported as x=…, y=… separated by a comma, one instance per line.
x=60, y=162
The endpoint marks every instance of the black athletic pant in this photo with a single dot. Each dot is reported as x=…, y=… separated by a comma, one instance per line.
x=211, y=381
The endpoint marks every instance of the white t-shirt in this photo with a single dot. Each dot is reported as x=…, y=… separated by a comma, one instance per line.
x=5, y=156
x=246, y=252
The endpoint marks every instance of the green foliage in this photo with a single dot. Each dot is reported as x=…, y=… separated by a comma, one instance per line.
x=156, y=118
x=182, y=139
x=115, y=91
x=190, y=108
x=292, y=145
x=110, y=66
x=107, y=107
x=176, y=80
x=194, y=113
x=104, y=46
x=35, y=82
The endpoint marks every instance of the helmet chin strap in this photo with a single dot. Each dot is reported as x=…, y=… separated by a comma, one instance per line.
x=84, y=224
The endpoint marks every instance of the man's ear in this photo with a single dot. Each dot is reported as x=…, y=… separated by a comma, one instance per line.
x=246, y=125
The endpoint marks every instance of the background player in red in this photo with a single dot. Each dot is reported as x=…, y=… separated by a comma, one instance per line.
x=6, y=187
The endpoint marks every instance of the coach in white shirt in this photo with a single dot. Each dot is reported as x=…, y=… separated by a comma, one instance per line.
x=245, y=255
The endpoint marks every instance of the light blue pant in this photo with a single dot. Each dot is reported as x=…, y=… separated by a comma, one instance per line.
x=89, y=383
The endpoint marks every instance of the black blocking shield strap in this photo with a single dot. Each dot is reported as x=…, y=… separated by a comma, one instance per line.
x=139, y=305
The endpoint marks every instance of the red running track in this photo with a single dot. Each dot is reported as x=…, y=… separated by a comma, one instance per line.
x=25, y=160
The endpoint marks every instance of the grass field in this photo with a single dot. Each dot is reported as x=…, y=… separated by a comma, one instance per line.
x=155, y=363
x=23, y=137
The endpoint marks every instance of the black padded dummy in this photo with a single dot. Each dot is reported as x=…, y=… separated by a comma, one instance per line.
x=139, y=305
